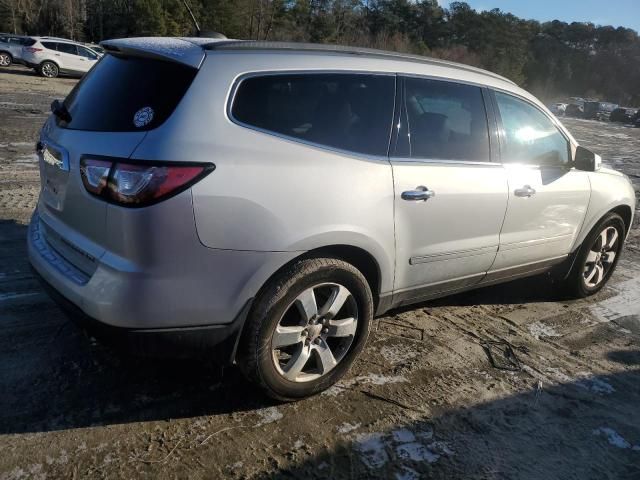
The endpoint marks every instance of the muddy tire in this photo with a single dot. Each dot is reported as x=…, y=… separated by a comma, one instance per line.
x=306, y=328
x=48, y=69
x=5, y=59
x=597, y=258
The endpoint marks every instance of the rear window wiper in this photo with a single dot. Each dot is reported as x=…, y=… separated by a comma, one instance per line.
x=60, y=111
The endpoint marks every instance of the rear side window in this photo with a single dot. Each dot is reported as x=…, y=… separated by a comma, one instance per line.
x=50, y=45
x=529, y=135
x=447, y=121
x=346, y=111
x=67, y=48
x=125, y=94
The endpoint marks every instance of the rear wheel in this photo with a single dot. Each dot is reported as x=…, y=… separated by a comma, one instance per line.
x=598, y=256
x=306, y=328
x=49, y=69
x=5, y=59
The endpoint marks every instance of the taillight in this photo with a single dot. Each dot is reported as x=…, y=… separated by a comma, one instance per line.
x=32, y=49
x=138, y=184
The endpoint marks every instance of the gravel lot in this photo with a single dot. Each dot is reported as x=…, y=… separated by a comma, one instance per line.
x=423, y=401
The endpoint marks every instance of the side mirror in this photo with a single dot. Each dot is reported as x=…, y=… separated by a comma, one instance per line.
x=586, y=160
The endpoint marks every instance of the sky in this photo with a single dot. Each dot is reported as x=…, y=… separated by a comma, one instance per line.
x=625, y=13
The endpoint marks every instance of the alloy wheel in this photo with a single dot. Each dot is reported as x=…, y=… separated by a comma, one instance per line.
x=5, y=60
x=315, y=332
x=601, y=257
x=49, y=70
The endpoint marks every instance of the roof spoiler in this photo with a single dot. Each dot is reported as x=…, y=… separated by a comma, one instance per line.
x=178, y=50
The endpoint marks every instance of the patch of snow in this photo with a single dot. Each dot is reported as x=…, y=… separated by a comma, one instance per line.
x=372, y=450
x=416, y=452
x=538, y=330
x=268, y=415
x=613, y=437
x=348, y=427
x=596, y=385
x=371, y=379
x=625, y=304
x=396, y=354
x=403, y=435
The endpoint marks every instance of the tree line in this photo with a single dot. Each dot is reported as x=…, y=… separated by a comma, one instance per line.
x=552, y=59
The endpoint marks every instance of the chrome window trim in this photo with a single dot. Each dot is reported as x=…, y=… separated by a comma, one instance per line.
x=266, y=73
x=435, y=161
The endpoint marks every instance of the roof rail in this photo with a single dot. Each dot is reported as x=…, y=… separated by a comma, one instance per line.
x=341, y=49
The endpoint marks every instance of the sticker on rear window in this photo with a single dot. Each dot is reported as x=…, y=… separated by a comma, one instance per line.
x=143, y=117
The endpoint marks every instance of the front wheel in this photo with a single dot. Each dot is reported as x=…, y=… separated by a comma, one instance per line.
x=49, y=70
x=306, y=328
x=597, y=257
x=5, y=59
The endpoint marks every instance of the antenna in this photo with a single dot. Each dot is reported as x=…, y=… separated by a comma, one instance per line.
x=195, y=22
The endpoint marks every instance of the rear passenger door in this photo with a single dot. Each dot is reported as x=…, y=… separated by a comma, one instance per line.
x=68, y=54
x=450, y=191
x=547, y=197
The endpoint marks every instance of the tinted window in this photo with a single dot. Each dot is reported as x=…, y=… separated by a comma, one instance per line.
x=50, y=45
x=67, y=48
x=27, y=42
x=446, y=120
x=529, y=135
x=347, y=111
x=84, y=52
x=116, y=89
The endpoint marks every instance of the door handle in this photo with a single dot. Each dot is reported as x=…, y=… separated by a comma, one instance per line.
x=525, y=191
x=421, y=193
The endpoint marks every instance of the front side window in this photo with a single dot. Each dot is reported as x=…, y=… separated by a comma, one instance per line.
x=346, y=111
x=85, y=52
x=446, y=120
x=529, y=135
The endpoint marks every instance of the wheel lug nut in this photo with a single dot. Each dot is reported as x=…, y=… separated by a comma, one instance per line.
x=325, y=330
x=317, y=341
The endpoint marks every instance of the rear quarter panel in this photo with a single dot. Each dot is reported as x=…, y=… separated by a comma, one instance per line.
x=269, y=193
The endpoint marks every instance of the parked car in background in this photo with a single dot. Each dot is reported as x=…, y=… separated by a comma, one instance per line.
x=623, y=115
x=51, y=57
x=11, y=48
x=96, y=48
x=574, y=110
x=260, y=202
x=599, y=110
x=558, y=108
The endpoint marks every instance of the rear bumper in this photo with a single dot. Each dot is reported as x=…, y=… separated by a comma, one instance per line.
x=215, y=342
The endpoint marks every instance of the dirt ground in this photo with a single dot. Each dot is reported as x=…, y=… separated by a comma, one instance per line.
x=422, y=402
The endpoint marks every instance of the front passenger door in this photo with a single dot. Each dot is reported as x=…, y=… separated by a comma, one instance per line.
x=547, y=197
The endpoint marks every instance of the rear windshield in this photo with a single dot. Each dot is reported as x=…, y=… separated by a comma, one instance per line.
x=127, y=94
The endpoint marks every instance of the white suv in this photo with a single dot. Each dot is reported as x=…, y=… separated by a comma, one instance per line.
x=51, y=57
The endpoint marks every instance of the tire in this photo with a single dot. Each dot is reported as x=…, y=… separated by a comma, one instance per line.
x=283, y=311
x=586, y=277
x=5, y=59
x=48, y=69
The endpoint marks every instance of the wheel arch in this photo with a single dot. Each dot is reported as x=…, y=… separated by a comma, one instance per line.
x=7, y=52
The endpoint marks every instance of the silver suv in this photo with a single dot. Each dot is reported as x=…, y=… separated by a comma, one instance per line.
x=260, y=203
